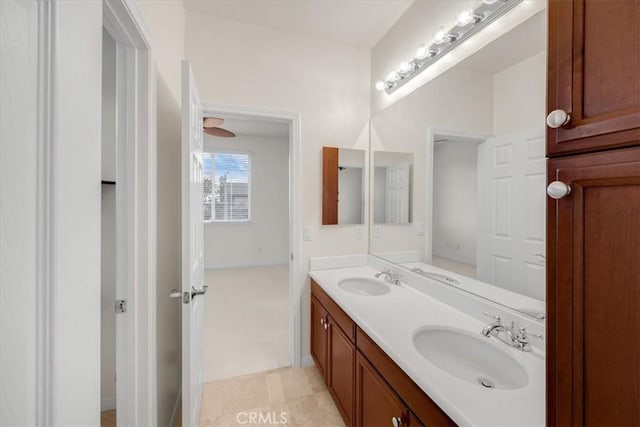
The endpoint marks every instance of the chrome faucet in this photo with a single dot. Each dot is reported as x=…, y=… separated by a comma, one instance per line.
x=508, y=335
x=390, y=276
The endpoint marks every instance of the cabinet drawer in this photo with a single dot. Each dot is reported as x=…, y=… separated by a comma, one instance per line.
x=420, y=404
x=338, y=315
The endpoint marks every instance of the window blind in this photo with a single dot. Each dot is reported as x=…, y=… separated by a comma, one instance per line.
x=226, y=187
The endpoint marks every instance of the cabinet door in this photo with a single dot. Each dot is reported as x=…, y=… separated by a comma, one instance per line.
x=319, y=336
x=593, y=277
x=594, y=73
x=340, y=375
x=376, y=403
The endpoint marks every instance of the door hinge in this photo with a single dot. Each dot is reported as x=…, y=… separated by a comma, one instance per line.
x=121, y=306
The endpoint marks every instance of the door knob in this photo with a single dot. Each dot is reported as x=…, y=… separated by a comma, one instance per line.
x=558, y=118
x=558, y=189
x=175, y=293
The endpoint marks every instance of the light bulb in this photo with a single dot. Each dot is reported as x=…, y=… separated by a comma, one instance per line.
x=380, y=85
x=442, y=36
x=405, y=68
x=393, y=76
x=467, y=17
x=421, y=52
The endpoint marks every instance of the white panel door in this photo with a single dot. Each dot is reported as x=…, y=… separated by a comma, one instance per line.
x=511, y=208
x=397, y=197
x=192, y=251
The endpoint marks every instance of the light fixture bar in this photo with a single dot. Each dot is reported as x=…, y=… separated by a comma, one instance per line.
x=445, y=41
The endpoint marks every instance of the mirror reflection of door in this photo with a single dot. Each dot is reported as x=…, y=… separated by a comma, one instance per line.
x=392, y=187
x=342, y=186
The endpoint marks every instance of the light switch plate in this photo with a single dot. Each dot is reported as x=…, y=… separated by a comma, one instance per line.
x=359, y=232
x=306, y=233
x=377, y=231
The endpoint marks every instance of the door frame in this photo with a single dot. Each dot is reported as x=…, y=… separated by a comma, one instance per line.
x=136, y=394
x=296, y=274
x=432, y=132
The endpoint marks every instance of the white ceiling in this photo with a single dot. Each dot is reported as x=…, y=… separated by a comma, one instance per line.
x=356, y=22
x=256, y=127
x=518, y=44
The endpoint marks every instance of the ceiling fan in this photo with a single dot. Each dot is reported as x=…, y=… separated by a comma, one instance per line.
x=210, y=125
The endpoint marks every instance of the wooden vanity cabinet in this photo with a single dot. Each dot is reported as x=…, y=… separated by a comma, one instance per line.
x=377, y=404
x=368, y=387
x=594, y=74
x=341, y=357
x=333, y=349
x=319, y=317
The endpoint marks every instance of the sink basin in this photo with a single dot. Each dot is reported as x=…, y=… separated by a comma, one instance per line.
x=469, y=357
x=364, y=286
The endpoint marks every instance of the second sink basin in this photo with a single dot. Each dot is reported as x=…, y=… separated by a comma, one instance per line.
x=469, y=357
x=364, y=286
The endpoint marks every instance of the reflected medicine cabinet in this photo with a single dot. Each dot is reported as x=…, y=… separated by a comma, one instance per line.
x=342, y=186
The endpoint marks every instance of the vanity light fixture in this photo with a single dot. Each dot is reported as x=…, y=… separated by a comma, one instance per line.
x=468, y=22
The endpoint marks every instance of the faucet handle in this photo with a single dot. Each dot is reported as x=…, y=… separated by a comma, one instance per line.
x=524, y=333
x=494, y=316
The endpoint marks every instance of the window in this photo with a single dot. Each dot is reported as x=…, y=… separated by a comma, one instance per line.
x=226, y=187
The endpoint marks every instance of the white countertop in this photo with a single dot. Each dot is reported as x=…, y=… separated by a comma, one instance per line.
x=391, y=320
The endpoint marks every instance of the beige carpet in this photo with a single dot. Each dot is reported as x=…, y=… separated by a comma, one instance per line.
x=246, y=321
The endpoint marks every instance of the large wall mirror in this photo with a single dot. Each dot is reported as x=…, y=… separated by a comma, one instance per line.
x=473, y=139
x=343, y=186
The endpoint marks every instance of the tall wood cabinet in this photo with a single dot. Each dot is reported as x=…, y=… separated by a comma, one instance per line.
x=593, y=232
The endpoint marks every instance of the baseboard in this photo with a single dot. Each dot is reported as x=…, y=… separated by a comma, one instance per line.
x=108, y=404
x=177, y=407
x=307, y=361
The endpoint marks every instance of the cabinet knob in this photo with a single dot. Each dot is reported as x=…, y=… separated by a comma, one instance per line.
x=322, y=320
x=558, y=189
x=558, y=118
x=396, y=421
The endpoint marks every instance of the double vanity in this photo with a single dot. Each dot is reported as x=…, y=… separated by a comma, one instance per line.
x=393, y=355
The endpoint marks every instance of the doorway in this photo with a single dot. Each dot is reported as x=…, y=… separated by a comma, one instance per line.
x=247, y=246
x=108, y=269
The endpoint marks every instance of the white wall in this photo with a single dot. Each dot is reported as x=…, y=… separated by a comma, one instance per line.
x=455, y=182
x=108, y=107
x=460, y=100
x=326, y=82
x=166, y=21
x=108, y=244
x=265, y=239
x=519, y=96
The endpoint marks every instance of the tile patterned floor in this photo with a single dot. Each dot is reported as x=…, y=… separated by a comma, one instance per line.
x=282, y=397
